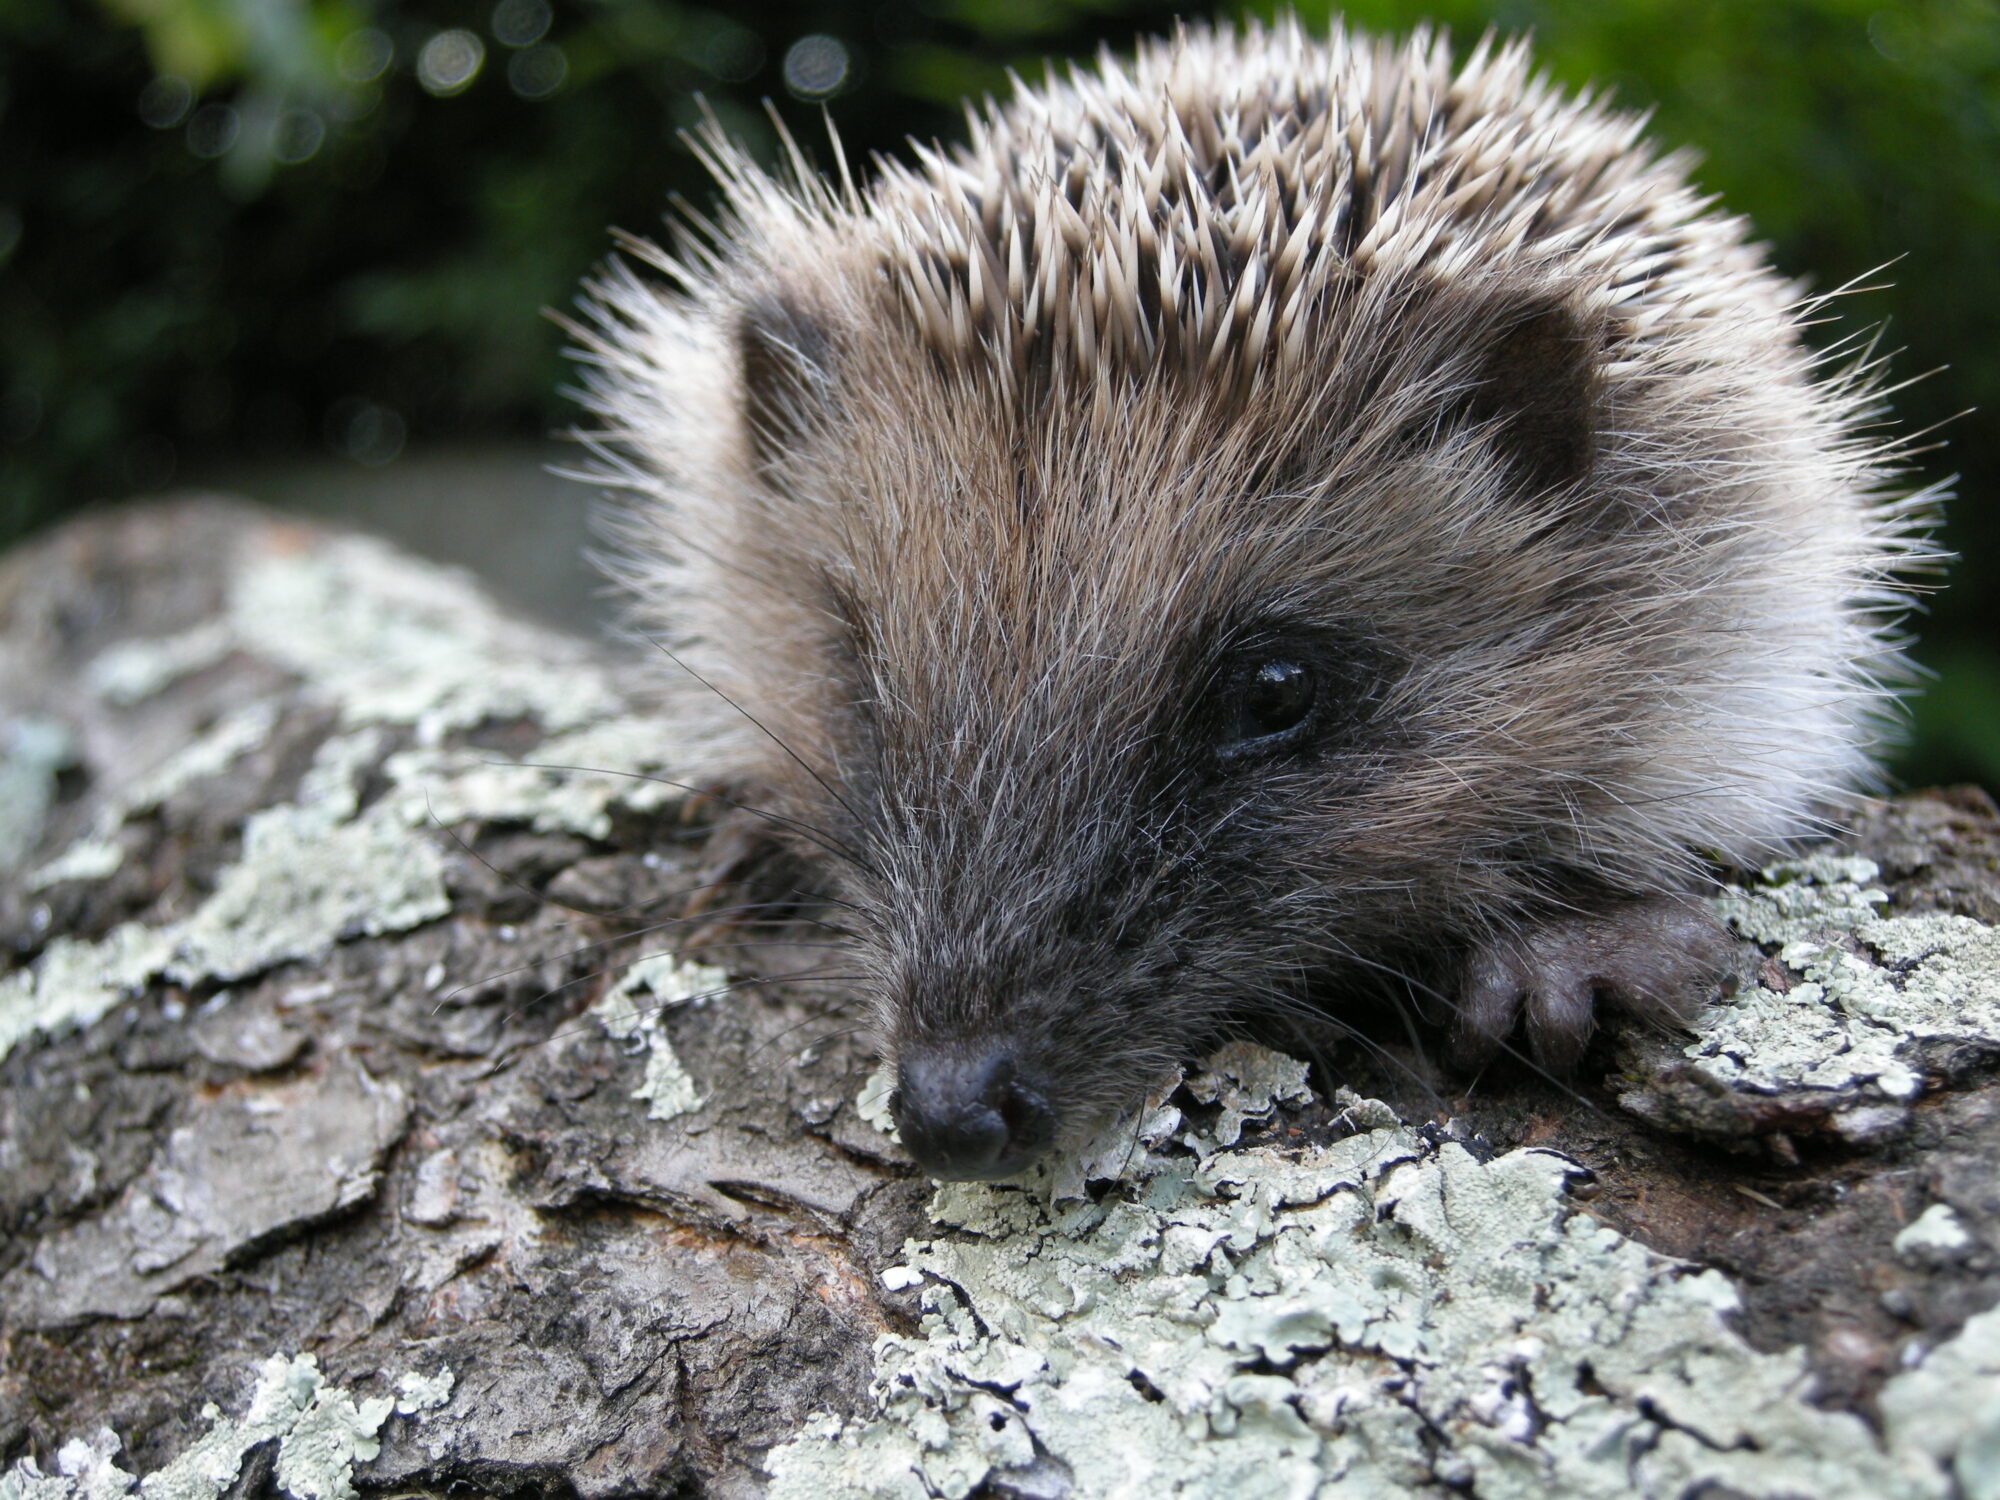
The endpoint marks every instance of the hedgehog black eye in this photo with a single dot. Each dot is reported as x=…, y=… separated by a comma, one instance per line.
x=1269, y=707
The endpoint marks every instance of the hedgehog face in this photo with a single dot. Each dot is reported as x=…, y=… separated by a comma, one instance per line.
x=1072, y=885
x=1150, y=725
x=1141, y=717
x=1085, y=867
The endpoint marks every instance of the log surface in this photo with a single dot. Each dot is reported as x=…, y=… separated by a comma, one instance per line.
x=358, y=1130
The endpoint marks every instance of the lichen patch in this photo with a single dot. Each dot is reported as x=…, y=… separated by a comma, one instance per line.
x=664, y=982
x=33, y=752
x=1249, y=1082
x=1384, y=1315
x=407, y=656
x=1947, y=1409
x=1853, y=1010
x=75, y=983
x=302, y=886
x=321, y=1432
x=395, y=640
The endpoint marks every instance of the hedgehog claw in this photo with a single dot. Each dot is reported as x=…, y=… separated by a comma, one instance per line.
x=1654, y=958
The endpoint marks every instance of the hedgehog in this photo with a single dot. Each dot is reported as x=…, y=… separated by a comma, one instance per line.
x=1264, y=524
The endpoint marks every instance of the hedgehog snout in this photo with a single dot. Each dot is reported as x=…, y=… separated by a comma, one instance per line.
x=970, y=1114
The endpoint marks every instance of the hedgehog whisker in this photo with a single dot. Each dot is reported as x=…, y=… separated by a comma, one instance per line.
x=769, y=733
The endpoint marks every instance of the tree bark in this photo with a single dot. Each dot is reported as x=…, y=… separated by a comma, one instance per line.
x=357, y=1130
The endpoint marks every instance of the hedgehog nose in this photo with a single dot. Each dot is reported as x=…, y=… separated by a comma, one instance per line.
x=971, y=1118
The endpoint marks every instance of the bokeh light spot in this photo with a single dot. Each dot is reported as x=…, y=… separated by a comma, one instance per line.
x=450, y=61
x=365, y=55
x=537, y=72
x=817, y=67
x=165, y=101
x=297, y=136
x=212, y=131
x=365, y=431
x=734, y=54
x=521, y=23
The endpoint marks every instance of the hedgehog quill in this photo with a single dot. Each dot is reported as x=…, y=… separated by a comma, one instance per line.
x=1262, y=521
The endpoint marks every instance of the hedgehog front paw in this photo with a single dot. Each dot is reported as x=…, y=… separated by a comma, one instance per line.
x=1655, y=957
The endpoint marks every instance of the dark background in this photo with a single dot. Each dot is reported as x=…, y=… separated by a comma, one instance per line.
x=303, y=248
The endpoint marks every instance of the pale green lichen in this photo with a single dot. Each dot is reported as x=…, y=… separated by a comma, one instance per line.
x=1947, y=1409
x=570, y=784
x=320, y=1430
x=96, y=856
x=86, y=1469
x=395, y=640
x=389, y=638
x=1248, y=1082
x=1867, y=993
x=1935, y=1236
x=133, y=671
x=1384, y=1316
x=667, y=982
x=872, y=1103
x=33, y=753
x=210, y=753
x=75, y=983
x=399, y=649
x=86, y=859
x=301, y=886
x=416, y=1392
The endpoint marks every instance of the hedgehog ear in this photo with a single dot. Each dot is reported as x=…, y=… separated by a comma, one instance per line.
x=1535, y=379
x=787, y=367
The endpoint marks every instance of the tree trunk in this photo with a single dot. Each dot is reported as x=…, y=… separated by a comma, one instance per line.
x=357, y=1129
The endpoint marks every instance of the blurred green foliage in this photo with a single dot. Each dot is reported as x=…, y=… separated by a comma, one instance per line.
x=238, y=228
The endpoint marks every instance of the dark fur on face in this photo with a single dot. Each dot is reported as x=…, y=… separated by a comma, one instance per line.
x=1261, y=520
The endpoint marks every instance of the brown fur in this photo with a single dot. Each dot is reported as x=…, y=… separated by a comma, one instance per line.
x=975, y=486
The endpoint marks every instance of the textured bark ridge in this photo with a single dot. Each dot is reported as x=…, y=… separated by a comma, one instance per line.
x=358, y=1131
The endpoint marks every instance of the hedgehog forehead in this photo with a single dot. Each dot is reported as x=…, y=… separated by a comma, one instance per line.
x=1112, y=517
x=1090, y=565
